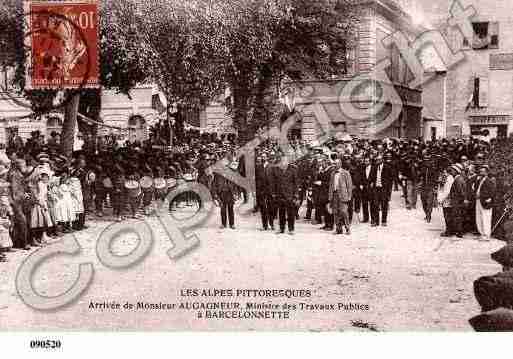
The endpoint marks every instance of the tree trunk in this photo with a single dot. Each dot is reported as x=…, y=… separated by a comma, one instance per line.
x=240, y=112
x=262, y=110
x=69, y=126
x=168, y=109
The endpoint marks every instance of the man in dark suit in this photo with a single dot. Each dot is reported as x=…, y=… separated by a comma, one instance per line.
x=285, y=191
x=325, y=179
x=308, y=174
x=485, y=195
x=225, y=193
x=263, y=192
x=317, y=168
x=472, y=181
x=365, y=171
x=409, y=172
x=356, y=177
x=18, y=200
x=305, y=173
x=382, y=180
x=428, y=179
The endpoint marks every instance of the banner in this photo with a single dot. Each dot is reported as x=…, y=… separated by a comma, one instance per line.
x=62, y=38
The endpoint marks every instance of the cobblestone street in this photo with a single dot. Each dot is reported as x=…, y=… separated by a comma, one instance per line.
x=410, y=278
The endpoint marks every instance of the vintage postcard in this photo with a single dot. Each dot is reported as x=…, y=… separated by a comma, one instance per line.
x=236, y=165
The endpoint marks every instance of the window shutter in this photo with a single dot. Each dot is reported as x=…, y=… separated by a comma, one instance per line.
x=471, y=100
x=483, y=91
x=493, y=31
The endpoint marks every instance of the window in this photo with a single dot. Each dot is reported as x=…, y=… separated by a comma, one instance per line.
x=486, y=36
x=136, y=128
x=53, y=124
x=494, y=35
x=481, y=39
x=475, y=100
x=339, y=126
x=478, y=89
x=294, y=134
x=433, y=133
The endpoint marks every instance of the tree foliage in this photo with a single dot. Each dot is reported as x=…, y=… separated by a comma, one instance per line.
x=194, y=49
x=124, y=46
x=260, y=42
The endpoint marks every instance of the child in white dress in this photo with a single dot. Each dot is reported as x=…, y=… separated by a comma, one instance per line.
x=66, y=206
x=54, y=199
x=40, y=219
x=77, y=199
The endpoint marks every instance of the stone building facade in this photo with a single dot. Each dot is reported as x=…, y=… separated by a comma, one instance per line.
x=479, y=90
x=123, y=116
x=378, y=20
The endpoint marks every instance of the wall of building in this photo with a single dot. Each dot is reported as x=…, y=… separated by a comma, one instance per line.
x=388, y=21
x=434, y=116
x=377, y=20
x=118, y=108
x=216, y=119
x=116, y=111
x=14, y=118
x=496, y=84
x=366, y=49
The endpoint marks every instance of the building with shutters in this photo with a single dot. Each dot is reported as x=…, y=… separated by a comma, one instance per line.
x=478, y=93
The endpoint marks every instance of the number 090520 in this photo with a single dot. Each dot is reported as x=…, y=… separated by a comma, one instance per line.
x=45, y=344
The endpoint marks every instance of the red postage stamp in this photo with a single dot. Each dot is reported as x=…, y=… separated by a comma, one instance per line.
x=61, y=39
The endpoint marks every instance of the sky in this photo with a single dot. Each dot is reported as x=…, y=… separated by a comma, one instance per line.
x=431, y=10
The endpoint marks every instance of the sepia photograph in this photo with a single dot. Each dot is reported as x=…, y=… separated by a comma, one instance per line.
x=308, y=166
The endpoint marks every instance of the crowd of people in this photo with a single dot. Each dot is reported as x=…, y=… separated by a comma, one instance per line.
x=44, y=194
x=349, y=177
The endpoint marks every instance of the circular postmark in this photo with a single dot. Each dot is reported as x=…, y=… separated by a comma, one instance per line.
x=59, y=56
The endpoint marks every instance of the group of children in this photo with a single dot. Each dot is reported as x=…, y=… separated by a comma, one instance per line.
x=52, y=204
